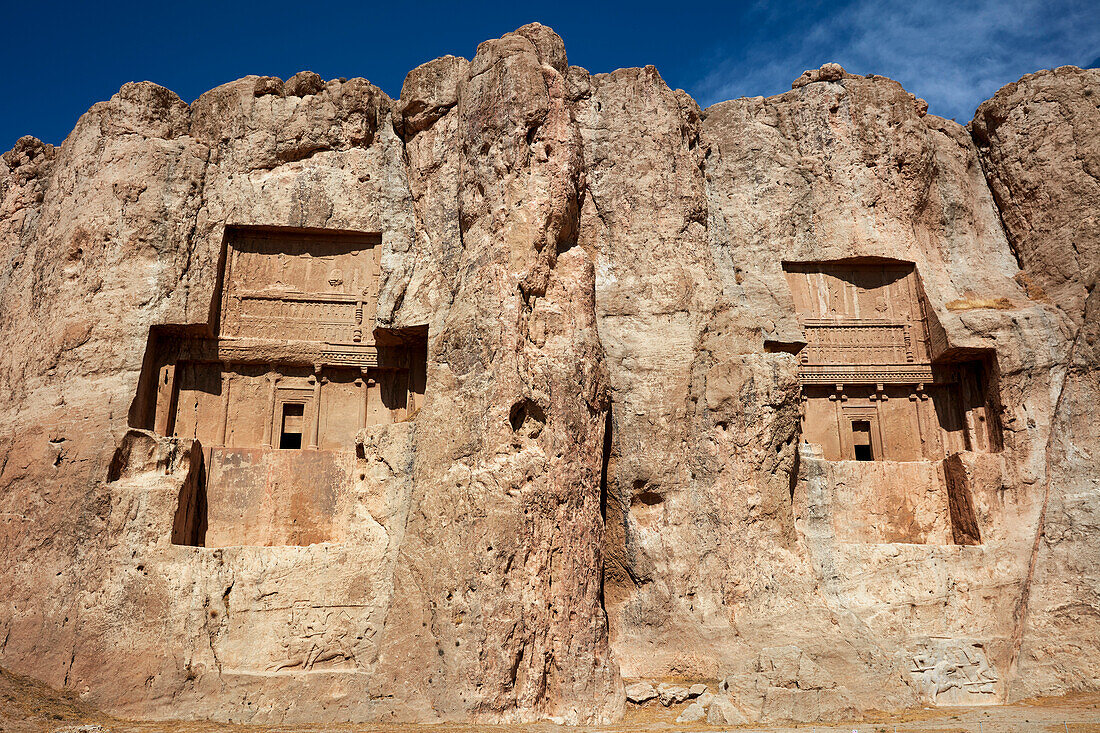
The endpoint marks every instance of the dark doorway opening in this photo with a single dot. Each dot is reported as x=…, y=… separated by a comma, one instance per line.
x=861, y=440
x=293, y=417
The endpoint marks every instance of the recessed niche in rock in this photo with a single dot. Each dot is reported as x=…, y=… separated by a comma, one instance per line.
x=277, y=386
x=881, y=386
x=878, y=381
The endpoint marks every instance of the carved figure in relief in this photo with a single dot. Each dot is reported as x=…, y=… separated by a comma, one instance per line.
x=959, y=671
x=280, y=281
x=316, y=636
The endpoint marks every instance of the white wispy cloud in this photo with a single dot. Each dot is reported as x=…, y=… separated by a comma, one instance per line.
x=953, y=54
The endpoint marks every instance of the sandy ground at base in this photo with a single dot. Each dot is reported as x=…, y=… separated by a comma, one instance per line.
x=27, y=706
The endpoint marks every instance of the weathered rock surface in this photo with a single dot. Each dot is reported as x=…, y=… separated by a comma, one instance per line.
x=722, y=711
x=640, y=693
x=607, y=475
x=692, y=713
x=1038, y=143
x=671, y=694
x=1036, y=138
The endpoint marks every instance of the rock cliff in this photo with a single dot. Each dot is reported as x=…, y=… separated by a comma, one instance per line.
x=636, y=312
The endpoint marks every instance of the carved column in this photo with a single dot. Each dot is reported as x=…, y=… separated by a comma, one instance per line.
x=315, y=428
x=165, y=396
x=838, y=398
x=357, y=332
x=926, y=434
x=878, y=398
x=914, y=397
x=272, y=382
x=223, y=423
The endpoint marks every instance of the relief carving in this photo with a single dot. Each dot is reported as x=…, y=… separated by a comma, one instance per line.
x=317, y=638
x=954, y=672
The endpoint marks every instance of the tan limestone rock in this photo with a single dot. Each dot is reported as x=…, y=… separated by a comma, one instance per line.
x=616, y=459
x=1040, y=152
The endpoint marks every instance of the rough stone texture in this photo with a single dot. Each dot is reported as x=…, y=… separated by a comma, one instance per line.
x=607, y=472
x=722, y=711
x=671, y=694
x=1038, y=143
x=640, y=693
x=692, y=713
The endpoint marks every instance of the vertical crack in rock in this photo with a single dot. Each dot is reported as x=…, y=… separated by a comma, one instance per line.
x=520, y=339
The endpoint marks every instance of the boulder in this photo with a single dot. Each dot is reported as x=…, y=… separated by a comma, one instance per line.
x=671, y=694
x=722, y=711
x=640, y=693
x=692, y=713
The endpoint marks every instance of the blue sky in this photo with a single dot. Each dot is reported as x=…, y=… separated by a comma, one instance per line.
x=61, y=58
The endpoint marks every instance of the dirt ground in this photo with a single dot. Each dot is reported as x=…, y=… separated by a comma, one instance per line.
x=27, y=706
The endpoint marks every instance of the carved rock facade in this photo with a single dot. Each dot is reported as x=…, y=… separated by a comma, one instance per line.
x=475, y=403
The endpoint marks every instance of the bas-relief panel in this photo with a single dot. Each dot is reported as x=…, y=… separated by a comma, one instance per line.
x=297, y=638
x=300, y=286
x=863, y=323
x=303, y=262
x=956, y=672
x=858, y=291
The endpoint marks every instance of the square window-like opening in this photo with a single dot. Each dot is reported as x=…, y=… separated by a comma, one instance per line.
x=861, y=440
x=293, y=416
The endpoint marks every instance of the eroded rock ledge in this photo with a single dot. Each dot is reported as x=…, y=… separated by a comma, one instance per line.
x=472, y=404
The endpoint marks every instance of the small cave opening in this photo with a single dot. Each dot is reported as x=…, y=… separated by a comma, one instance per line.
x=647, y=498
x=527, y=416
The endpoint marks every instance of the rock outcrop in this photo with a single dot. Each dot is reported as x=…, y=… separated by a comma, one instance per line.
x=605, y=473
